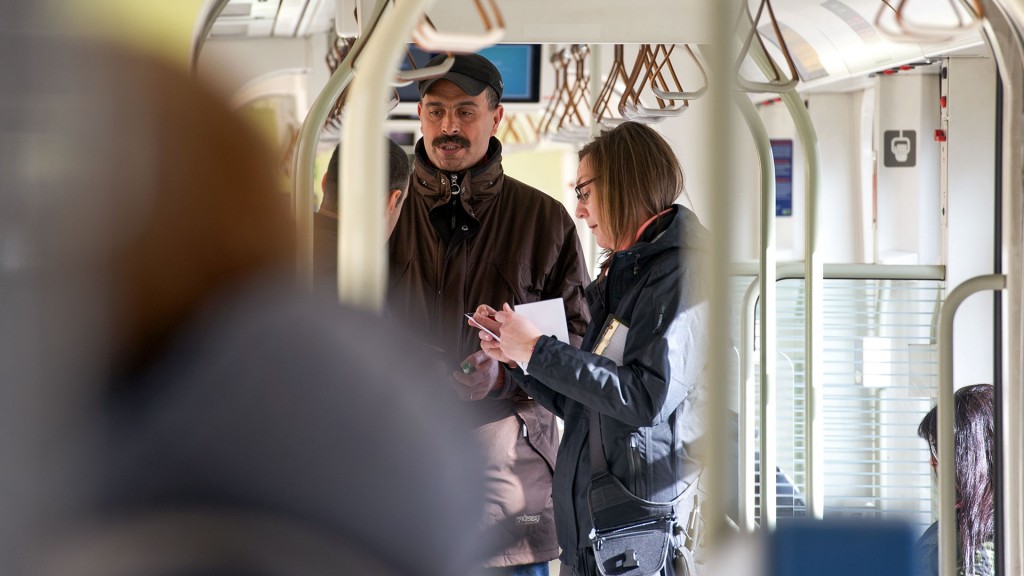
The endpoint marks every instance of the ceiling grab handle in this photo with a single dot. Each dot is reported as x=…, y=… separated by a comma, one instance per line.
x=211, y=11
x=602, y=110
x=558, y=63
x=572, y=125
x=562, y=98
x=779, y=84
x=429, y=38
x=628, y=105
x=407, y=77
x=305, y=151
x=683, y=95
x=631, y=107
x=655, y=77
x=907, y=31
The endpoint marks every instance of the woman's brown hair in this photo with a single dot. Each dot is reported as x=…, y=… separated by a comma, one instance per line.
x=637, y=176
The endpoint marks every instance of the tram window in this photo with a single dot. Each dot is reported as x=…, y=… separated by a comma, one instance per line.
x=519, y=65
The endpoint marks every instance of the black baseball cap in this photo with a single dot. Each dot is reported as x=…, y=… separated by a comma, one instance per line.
x=471, y=72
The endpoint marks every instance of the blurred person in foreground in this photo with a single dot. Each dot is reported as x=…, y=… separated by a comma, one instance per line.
x=469, y=234
x=634, y=382
x=325, y=219
x=245, y=427
x=973, y=437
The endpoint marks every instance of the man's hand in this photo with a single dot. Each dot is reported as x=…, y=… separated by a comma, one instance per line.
x=484, y=316
x=485, y=374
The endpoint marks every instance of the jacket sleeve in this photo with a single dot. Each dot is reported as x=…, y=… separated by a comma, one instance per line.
x=664, y=355
x=545, y=396
x=568, y=278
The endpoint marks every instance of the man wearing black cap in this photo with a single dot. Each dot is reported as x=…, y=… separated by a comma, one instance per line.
x=470, y=235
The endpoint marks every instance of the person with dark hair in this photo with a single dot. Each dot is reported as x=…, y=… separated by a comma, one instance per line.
x=973, y=437
x=629, y=396
x=468, y=234
x=325, y=219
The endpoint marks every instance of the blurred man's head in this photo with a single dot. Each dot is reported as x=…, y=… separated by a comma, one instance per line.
x=460, y=111
x=398, y=184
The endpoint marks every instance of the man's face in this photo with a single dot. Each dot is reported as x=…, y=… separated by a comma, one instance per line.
x=457, y=127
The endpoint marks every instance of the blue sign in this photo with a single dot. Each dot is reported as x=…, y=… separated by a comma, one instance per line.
x=782, y=151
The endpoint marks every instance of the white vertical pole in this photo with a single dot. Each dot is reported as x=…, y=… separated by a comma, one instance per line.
x=362, y=272
x=720, y=180
x=767, y=274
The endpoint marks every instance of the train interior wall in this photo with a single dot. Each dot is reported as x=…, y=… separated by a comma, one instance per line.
x=877, y=207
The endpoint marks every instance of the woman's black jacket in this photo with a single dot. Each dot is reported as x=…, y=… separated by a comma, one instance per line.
x=648, y=401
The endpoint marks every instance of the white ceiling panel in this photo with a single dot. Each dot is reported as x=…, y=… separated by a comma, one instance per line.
x=277, y=18
x=288, y=17
x=246, y=18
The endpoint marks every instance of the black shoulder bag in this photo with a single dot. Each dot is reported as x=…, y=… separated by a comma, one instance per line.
x=633, y=536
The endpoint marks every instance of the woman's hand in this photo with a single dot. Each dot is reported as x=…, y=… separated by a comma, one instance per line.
x=518, y=335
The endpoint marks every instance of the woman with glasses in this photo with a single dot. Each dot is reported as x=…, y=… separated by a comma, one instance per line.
x=973, y=437
x=644, y=350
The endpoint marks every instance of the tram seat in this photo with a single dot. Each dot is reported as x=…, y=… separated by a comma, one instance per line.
x=788, y=503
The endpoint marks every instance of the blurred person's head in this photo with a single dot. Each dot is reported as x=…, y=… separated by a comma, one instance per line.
x=397, y=187
x=176, y=213
x=973, y=437
x=189, y=194
x=460, y=111
x=626, y=175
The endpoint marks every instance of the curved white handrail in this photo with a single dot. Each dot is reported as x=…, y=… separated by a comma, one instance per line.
x=430, y=39
x=305, y=149
x=282, y=82
x=362, y=247
x=208, y=15
x=814, y=272
x=406, y=77
x=944, y=423
x=767, y=288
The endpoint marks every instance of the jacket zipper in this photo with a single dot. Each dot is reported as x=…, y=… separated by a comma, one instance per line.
x=439, y=294
x=635, y=463
x=442, y=278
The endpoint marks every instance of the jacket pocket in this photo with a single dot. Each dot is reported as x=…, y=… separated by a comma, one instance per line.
x=537, y=427
x=520, y=283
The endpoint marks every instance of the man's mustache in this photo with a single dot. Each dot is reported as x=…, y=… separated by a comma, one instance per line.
x=450, y=139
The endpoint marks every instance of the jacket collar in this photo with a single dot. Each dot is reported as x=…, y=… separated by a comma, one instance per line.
x=677, y=229
x=482, y=182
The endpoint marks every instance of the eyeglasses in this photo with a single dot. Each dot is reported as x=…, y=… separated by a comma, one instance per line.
x=581, y=196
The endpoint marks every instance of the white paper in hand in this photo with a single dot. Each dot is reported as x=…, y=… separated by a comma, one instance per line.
x=548, y=316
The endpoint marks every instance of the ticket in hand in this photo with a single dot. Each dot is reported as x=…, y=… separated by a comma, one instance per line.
x=475, y=323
